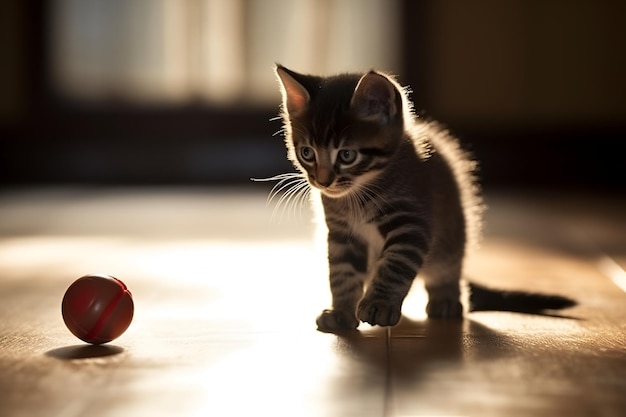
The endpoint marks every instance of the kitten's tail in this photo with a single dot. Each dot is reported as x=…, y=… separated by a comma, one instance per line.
x=482, y=298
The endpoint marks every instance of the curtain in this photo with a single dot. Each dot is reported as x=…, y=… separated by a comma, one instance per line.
x=218, y=51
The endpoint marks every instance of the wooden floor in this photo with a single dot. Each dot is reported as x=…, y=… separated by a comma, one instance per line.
x=226, y=299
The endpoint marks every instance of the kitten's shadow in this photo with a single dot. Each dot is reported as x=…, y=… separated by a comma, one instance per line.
x=412, y=347
x=84, y=352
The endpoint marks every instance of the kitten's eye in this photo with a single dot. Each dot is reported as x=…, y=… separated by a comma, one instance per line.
x=347, y=156
x=307, y=153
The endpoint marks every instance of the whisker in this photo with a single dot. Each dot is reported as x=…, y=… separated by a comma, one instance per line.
x=304, y=197
x=277, y=177
x=285, y=200
x=297, y=202
x=289, y=194
x=283, y=188
x=285, y=181
x=371, y=193
x=360, y=201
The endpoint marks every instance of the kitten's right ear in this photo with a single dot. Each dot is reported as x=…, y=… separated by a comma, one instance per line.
x=295, y=97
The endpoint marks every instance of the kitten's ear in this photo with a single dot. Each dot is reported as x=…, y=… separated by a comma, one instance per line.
x=295, y=96
x=374, y=98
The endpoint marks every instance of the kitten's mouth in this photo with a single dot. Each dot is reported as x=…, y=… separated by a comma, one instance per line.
x=334, y=191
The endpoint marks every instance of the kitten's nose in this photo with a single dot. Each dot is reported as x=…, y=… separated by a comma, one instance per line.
x=324, y=177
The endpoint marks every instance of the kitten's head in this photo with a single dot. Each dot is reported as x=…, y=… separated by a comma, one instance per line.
x=341, y=131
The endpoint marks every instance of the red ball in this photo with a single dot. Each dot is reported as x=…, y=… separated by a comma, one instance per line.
x=97, y=308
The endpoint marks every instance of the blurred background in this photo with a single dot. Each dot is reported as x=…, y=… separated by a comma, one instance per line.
x=156, y=92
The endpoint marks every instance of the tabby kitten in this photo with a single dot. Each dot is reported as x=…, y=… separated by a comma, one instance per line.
x=398, y=195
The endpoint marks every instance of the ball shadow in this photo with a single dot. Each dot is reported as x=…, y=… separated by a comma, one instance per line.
x=84, y=352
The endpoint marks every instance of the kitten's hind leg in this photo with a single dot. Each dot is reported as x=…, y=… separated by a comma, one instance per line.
x=443, y=302
x=442, y=282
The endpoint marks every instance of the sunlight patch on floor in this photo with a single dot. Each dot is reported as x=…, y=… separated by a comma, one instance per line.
x=276, y=279
x=613, y=270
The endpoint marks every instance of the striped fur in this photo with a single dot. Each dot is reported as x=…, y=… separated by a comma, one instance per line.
x=398, y=195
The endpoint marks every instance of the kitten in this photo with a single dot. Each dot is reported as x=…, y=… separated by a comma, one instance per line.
x=399, y=198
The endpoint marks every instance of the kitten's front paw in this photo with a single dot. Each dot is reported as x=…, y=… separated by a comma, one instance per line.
x=379, y=312
x=444, y=309
x=333, y=321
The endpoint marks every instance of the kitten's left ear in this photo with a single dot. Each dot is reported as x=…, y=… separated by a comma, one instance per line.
x=374, y=98
x=295, y=96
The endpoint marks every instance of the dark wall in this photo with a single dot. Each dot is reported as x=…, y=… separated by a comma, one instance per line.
x=535, y=89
